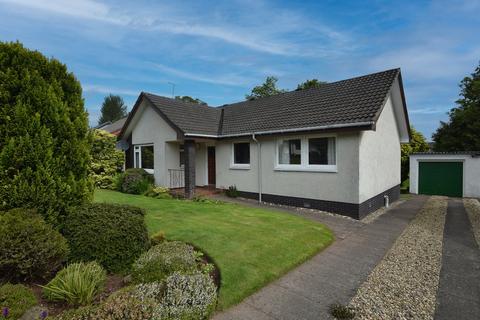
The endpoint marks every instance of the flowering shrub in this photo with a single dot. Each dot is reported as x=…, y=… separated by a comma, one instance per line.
x=127, y=305
x=187, y=297
x=82, y=313
x=15, y=299
x=162, y=260
x=135, y=181
x=113, y=235
x=77, y=284
x=30, y=249
x=106, y=161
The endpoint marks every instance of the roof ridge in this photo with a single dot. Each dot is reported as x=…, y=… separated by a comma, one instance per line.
x=178, y=100
x=309, y=89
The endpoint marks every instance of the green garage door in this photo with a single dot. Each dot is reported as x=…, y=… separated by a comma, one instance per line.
x=441, y=178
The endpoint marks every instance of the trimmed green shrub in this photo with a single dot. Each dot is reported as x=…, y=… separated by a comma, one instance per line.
x=135, y=181
x=77, y=284
x=113, y=235
x=16, y=299
x=158, y=192
x=44, y=135
x=30, y=249
x=107, y=160
x=162, y=260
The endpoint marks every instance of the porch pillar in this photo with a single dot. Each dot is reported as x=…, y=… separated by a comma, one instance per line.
x=189, y=149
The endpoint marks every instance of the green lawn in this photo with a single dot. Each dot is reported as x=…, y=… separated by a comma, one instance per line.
x=251, y=246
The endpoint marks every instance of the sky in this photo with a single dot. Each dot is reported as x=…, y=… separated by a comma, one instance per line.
x=218, y=51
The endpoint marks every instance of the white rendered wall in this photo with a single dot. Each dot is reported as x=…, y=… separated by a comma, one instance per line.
x=332, y=186
x=380, y=155
x=150, y=128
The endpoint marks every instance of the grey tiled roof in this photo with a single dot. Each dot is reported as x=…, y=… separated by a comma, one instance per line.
x=188, y=117
x=354, y=102
x=440, y=153
x=117, y=125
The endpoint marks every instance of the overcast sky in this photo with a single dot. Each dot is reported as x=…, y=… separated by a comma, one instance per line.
x=217, y=50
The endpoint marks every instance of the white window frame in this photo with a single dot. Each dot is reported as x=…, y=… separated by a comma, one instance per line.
x=304, y=155
x=138, y=149
x=240, y=166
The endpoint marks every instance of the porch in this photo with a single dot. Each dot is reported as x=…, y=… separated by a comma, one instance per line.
x=193, y=172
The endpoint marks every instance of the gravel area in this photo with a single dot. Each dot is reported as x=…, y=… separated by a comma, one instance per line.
x=376, y=214
x=404, y=284
x=473, y=208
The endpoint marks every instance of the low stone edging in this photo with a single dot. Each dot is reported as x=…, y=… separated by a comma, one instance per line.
x=473, y=209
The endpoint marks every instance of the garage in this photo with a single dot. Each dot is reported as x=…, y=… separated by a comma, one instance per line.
x=453, y=174
x=440, y=178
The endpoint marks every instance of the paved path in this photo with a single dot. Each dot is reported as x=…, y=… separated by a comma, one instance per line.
x=333, y=275
x=459, y=289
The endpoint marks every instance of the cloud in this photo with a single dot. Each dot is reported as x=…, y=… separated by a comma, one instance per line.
x=428, y=61
x=109, y=90
x=247, y=33
x=231, y=79
x=84, y=9
x=432, y=110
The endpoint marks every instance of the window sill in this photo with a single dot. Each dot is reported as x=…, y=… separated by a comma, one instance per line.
x=328, y=169
x=240, y=167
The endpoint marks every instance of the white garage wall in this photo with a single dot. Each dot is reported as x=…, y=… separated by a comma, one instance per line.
x=471, y=171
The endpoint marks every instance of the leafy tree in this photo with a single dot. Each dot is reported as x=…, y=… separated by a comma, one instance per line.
x=462, y=131
x=107, y=160
x=417, y=144
x=190, y=100
x=267, y=89
x=44, y=135
x=312, y=83
x=113, y=109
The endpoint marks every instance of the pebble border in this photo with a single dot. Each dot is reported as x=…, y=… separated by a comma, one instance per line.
x=404, y=284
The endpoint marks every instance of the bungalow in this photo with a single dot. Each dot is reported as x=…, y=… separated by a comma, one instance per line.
x=334, y=148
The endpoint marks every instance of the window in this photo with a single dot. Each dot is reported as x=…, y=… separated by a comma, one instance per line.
x=144, y=157
x=306, y=154
x=290, y=152
x=321, y=151
x=241, y=153
x=182, y=155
